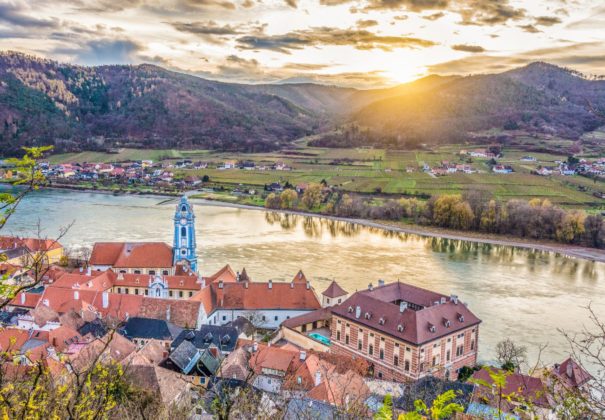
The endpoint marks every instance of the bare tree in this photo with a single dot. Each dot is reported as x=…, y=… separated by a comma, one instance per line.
x=510, y=355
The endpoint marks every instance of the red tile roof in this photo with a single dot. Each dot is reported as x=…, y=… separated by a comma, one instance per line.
x=26, y=300
x=274, y=358
x=132, y=254
x=60, y=338
x=32, y=244
x=571, y=373
x=96, y=281
x=226, y=274
x=185, y=282
x=322, y=314
x=520, y=388
x=256, y=295
x=12, y=339
x=334, y=290
x=379, y=311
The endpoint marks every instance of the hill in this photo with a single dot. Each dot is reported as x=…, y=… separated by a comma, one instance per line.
x=537, y=99
x=74, y=107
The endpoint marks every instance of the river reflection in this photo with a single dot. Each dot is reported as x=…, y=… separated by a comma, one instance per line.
x=523, y=294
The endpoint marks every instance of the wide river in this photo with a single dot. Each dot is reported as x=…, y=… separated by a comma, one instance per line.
x=525, y=295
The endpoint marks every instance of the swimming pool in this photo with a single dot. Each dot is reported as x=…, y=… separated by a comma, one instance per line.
x=320, y=338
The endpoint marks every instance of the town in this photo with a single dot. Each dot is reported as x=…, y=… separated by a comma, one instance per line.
x=193, y=338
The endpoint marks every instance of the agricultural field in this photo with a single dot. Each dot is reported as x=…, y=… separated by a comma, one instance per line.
x=378, y=171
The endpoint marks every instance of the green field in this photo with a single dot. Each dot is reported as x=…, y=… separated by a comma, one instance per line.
x=375, y=170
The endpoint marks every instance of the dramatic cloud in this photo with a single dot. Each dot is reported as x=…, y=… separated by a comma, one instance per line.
x=358, y=38
x=18, y=16
x=468, y=48
x=366, y=23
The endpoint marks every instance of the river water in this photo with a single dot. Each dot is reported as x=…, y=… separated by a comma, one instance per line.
x=522, y=294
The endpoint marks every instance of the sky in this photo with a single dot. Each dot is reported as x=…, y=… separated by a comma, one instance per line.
x=360, y=43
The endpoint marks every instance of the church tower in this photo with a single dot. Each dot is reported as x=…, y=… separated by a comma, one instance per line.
x=183, y=247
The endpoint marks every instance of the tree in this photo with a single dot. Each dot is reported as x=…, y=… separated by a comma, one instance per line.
x=441, y=408
x=510, y=355
x=312, y=196
x=272, y=201
x=386, y=410
x=288, y=199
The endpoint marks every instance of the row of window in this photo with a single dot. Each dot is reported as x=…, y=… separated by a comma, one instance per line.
x=171, y=293
x=151, y=272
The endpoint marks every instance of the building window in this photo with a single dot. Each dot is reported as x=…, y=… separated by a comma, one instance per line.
x=152, y=272
x=183, y=231
x=276, y=318
x=434, y=360
x=406, y=366
x=328, y=300
x=304, y=328
x=119, y=290
x=339, y=300
x=381, y=354
x=123, y=271
x=371, y=350
x=170, y=293
x=421, y=366
x=126, y=291
x=459, y=351
x=190, y=294
x=264, y=318
x=347, y=339
x=136, y=291
x=180, y=293
x=224, y=317
x=137, y=271
x=299, y=380
x=359, y=345
x=472, y=344
x=338, y=335
x=448, y=355
x=396, y=360
x=379, y=375
x=338, y=321
x=146, y=292
x=165, y=272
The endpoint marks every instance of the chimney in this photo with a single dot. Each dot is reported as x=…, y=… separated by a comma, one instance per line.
x=370, y=287
x=443, y=300
x=22, y=298
x=403, y=306
x=357, y=311
x=76, y=295
x=569, y=369
x=317, y=378
x=254, y=347
x=237, y=276
x=303, y=355
x=88, y=271
x=380, y=282
x=308, y=284
x=168, y=313
x=245, y=285
x=270, y=284
x=220, y=284
x=105, y=299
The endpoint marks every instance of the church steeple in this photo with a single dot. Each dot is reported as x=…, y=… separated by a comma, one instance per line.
x=183, y=247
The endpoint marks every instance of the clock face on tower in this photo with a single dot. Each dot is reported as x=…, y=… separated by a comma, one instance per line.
x=183, y=221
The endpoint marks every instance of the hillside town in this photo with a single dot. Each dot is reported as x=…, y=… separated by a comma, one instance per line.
x=192, y=337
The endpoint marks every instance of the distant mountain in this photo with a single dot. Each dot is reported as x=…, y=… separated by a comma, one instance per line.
x=538, y=98
x=75, y=108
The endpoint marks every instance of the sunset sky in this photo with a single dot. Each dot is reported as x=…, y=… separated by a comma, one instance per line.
x=363, y=43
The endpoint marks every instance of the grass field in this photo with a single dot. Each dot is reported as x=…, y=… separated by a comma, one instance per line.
x=376, y=170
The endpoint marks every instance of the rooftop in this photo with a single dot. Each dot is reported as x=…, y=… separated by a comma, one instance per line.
x=132, y=254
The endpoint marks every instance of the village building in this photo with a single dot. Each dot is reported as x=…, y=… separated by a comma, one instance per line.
x=265, y=304
x=142, y=330
x=406, y=332
x=333, y=295
x=20, y=251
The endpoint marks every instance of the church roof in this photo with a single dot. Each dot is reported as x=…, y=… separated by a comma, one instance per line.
x=225, y=274
x=132, y=254
x=334, y=290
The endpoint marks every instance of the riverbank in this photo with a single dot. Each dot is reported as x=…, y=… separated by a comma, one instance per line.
x=575, y=251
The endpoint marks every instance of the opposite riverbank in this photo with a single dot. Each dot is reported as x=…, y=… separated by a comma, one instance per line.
x=575, y=251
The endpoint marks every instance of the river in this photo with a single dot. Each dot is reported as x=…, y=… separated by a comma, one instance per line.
x=518, y=293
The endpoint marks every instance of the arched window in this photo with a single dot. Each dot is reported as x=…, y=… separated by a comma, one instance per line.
x=184, y=209
x=183, y=231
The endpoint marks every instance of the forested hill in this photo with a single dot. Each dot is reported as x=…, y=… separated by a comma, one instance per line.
x=42, y=101
x=74, y=108
x=538, y=99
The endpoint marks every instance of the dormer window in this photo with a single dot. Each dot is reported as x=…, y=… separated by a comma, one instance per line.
x=460, y=317
x=381, y=321
x=432, y=328
x=447, y=323
x=350, y=309
x=400, y=327
x=368, y=315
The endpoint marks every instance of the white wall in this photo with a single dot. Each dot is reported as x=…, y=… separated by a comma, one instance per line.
x=272, y=317
x=267, y=383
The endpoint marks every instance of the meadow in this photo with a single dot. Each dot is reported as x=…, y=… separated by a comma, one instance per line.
x=379, y=171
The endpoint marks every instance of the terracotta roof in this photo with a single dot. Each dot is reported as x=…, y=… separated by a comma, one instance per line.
x=255, y=296
x=300, y=277
x=235, y=365
x=110, y=347
x=60, y=338
x=12, y=339
x=182, y=313
x=322, y=314
x=97, y=280
x=379, y=312
x=307, y=371
x=26, y=300
x=341, y=389
x=226, y=274
x=520, y=388
x=273, y=358
x=334, y=290
x=32, y=244
x=571, y=373
x=169, y=385
x=132, y=254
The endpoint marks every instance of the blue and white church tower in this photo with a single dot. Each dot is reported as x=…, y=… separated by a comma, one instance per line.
x=183, y=247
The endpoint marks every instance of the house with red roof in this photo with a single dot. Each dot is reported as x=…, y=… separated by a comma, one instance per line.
x=265, y=304
x=333, y=295
x=18, y=250
x=406, y=332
